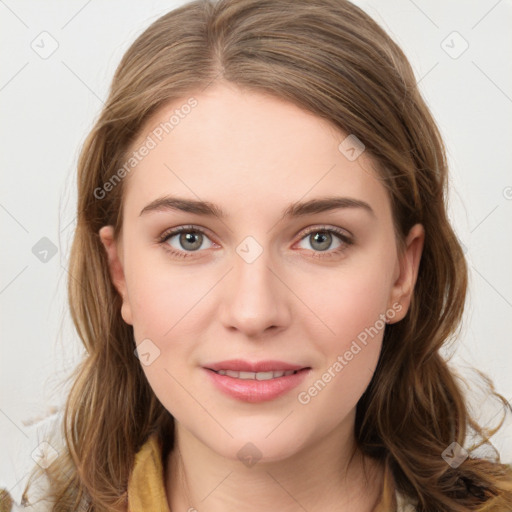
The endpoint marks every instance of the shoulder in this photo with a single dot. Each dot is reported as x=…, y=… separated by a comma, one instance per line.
x=404, y=504
x=42, y=444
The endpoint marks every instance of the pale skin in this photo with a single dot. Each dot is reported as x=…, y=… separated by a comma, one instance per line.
x=253, y=155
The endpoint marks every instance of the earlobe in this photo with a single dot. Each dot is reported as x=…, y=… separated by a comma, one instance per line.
x=115, y=264
x=408, y=265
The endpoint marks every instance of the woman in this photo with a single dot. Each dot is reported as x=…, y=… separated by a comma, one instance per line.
x=289, y=357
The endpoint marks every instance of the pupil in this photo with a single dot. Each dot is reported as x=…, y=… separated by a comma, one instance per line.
x=189, y=238
x=324, y=237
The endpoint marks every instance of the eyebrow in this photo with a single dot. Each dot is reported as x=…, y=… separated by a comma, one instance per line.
x=297, y=209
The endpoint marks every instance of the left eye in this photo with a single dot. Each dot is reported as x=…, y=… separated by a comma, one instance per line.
x=321, y=239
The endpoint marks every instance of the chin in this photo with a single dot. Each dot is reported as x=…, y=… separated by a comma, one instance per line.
x=254, y=444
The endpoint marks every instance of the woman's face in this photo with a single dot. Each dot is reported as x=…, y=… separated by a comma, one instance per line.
x=281, y=275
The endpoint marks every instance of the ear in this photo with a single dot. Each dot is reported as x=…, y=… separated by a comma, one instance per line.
x=115, y=263
x=407, y=272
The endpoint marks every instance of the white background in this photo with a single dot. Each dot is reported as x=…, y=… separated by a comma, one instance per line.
x=48, y=105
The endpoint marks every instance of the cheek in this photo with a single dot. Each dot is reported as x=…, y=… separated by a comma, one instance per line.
x=168, y=310
x=350, y=356
x=165, y=311
x=164, y=299
x=335, y=390
x=350, y=301
x=353, y=306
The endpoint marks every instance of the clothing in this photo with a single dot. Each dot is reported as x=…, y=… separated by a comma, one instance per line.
x=41, y=442
x=146, y=489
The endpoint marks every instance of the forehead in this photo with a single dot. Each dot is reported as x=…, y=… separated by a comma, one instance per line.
x=247, y=150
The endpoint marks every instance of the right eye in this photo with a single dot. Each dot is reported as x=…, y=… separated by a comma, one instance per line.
x=184, y=239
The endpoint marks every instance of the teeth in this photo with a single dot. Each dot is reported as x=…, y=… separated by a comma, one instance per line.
x=256, y=375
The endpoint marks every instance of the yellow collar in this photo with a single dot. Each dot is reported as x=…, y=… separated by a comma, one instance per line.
x=146, y=489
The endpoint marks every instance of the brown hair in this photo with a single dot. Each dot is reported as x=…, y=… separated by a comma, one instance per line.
x=331, y=59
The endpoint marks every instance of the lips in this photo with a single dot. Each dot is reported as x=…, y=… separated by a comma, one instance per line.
x=255, y=381
x=256, y=375
x=240, y=365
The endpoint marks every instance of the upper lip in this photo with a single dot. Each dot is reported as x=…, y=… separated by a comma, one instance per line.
x=255, y=366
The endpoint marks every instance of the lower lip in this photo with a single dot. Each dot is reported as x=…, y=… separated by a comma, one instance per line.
x=251, y=390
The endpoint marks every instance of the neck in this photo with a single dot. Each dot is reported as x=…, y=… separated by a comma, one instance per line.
x=328, y=475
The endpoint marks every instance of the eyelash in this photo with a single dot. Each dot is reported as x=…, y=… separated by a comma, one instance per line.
x=347, y=241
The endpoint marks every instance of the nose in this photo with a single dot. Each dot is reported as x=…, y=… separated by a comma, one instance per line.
x=254, y=298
